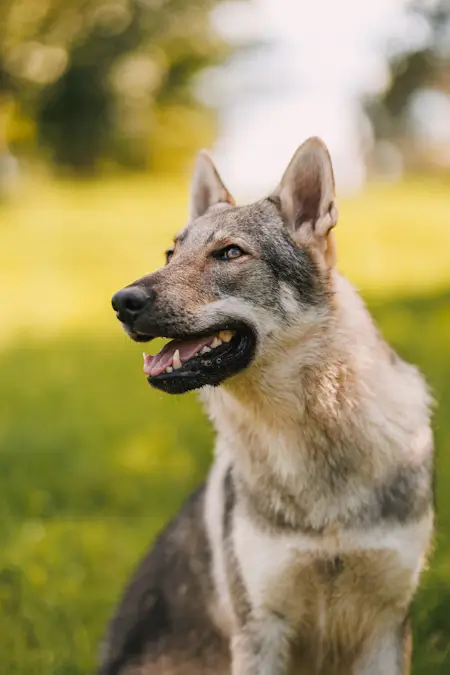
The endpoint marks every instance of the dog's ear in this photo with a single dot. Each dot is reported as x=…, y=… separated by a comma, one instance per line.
x=207, y=188
x=307, y=198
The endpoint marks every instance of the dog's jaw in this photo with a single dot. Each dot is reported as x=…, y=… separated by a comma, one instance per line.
x=184, y=365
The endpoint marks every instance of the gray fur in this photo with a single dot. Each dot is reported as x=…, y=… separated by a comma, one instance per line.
x=303, y=553
x=161, y=618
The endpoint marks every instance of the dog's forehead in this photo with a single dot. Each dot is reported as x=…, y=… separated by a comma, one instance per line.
x=222, y=221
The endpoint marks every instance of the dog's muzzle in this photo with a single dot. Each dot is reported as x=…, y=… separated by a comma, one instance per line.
x=192, y=359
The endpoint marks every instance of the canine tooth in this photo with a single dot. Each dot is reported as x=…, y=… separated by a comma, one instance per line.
x=169, y=369
x=176, y=361
x=226, y=335
x=147, y=361
x=216, y=343
x=205, y=349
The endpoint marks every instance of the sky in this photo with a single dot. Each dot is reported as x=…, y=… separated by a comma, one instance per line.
x=316, y=60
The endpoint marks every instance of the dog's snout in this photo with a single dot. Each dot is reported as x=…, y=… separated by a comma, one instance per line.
x=129, y=302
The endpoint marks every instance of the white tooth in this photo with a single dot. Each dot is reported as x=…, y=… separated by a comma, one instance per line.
x=226, y=335
x=205, y=350
x=169, y=369
x=216, y=343
x=176, y=361
x=147, y=361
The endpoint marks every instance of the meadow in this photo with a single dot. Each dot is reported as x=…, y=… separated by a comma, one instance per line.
x=93, y=462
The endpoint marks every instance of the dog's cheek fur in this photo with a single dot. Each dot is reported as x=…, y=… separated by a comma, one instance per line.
x=299, y=270
x=284, y=282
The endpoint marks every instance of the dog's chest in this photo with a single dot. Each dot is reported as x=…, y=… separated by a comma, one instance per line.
x=316, y=581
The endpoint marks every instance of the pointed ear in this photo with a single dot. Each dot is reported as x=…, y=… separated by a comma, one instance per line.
x=307, y=199
x=207, y=188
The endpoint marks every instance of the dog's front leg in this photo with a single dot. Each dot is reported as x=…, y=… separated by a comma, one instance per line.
x=261, y=647
x=389, y=654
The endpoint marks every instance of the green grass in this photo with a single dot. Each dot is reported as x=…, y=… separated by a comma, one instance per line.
x=93, y=462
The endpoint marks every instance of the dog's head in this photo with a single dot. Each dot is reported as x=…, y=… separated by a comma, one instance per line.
x=238, y=280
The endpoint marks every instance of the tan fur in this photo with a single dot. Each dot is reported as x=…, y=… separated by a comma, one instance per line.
x=327, y=378
x=318, y=512
x=270, y=418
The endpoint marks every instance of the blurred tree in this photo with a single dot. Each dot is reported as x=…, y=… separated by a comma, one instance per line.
x=95, y=75
x=418, y=74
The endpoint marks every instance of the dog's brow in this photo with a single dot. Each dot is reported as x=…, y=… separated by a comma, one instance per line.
x=218, y=236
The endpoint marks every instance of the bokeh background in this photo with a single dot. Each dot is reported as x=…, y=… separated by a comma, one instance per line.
x=103, y=104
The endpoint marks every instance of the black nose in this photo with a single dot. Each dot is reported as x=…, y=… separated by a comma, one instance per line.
x=129, y=302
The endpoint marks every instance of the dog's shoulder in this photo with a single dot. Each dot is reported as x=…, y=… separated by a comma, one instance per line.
x=163, y=608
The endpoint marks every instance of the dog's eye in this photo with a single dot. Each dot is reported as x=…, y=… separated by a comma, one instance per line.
x=169, y=254
x=229, y=253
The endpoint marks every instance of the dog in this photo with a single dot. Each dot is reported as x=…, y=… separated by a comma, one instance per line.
x=302, y=551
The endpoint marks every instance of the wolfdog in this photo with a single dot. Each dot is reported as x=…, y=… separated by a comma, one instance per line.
x=302, y=551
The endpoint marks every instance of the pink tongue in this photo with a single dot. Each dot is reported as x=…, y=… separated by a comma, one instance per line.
x=157, y=364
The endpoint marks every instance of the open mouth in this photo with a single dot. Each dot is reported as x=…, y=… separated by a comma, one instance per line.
x=191, y=363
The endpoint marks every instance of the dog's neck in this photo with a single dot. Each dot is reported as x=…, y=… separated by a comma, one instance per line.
x=333, y=402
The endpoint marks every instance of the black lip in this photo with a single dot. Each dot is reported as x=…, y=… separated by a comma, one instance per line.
x=211, y=368
x=169, y=334
x=137, y=337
